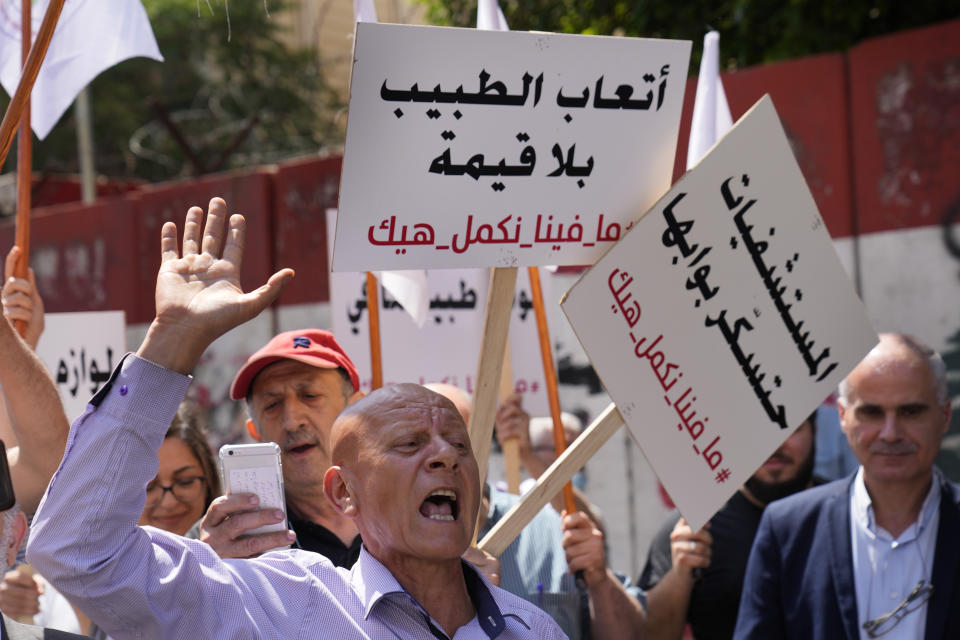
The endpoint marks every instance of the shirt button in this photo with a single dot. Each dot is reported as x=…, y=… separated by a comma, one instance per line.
x=123, y=389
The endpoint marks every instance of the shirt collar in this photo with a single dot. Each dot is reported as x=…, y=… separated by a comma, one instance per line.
x=862, y=507
x=371, y=580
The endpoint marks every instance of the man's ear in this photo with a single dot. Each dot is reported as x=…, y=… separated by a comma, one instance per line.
x=252, y=430
x=356, y=396
x=337, y=490
x=19, y=531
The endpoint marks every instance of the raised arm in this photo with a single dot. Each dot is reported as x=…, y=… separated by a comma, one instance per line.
x=33, y=407
x=614, y=612
x=669, y=600
x=145, y=582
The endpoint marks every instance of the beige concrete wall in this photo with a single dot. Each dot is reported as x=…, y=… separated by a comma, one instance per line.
x=328, y=26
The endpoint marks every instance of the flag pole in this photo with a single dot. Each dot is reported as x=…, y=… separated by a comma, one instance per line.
x=373, y=318
x=550, y=378
x=11, y=119
x=24, y=162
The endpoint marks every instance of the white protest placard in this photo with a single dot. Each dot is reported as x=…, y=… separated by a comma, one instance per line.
x=446, y=348
x=470, y=148
x=723, y=318
x=80, y=351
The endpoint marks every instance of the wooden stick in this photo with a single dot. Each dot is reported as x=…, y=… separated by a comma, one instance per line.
x=496, y=326
x=24, y=163
x=556, y=475
x=373, y=318
x=511, y=446
x=11, y=119
x=550, y=378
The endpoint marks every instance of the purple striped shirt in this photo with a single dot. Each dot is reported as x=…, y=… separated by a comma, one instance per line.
x=141, y=582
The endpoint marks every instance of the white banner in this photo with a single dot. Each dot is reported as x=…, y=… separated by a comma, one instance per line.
x=80, y=351
x=724, y=318
x=471, y=148
x=447, y=347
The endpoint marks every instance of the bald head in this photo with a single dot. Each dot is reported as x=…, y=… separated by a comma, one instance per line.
x=405, y=473
x=379, y=410
x=460, y=398
x=900, y=349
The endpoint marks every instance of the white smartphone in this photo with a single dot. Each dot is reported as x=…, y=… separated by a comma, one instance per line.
x=255, y=468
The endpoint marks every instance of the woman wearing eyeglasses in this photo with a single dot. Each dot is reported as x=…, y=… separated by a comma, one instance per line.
x=185, y=484
x=187, y=479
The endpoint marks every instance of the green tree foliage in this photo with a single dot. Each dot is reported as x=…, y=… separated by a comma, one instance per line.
x=751, y=31
x=217, y=76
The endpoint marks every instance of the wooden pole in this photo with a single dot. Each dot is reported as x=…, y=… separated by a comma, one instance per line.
x=493, y=343
x=373, y=317
x=11, y=119
x=24, y=162
x=548, y=484
x=496, y=327
x=550, y=378
x=511, y=446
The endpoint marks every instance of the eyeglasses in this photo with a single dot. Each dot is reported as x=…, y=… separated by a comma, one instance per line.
x=183, y=489
x=917, y=598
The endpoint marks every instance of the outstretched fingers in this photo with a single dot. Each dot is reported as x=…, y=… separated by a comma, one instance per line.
x=213, y=230
x=236, y=241
x=191, y=231
x=168, y=242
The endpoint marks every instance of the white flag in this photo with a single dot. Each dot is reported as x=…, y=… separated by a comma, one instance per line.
x=711, y=114
x=409, y=288
x=490, y=17
x=91, y=36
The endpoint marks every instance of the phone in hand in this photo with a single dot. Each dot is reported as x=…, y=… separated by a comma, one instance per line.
x=255, y=468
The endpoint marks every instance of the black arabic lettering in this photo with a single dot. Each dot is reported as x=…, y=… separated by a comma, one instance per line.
x=675, y=233
x=566, y=165
x=489, y=93
x=731, y=335
x=774, y=287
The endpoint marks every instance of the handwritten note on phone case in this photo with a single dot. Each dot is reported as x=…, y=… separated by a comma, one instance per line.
x=259, y=480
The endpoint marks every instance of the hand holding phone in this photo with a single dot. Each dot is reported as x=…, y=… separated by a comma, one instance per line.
x=255, y=468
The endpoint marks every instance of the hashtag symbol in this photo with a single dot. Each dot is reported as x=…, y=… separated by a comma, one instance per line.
x=722, y=475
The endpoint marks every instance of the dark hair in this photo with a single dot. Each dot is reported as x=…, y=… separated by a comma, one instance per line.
x=188, y=427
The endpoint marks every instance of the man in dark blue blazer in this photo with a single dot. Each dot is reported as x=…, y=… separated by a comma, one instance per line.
x=876, y=554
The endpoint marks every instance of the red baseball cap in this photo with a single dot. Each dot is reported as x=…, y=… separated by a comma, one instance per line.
x=311, y=346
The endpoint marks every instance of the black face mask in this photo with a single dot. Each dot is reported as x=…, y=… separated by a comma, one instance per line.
x=767, y=492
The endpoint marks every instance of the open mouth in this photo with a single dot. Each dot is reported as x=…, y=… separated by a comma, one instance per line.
x=441, y=504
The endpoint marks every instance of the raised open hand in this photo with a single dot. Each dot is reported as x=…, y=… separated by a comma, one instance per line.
x=198, y=296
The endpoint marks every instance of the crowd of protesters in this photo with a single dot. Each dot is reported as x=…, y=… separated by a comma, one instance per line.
x=133, y=538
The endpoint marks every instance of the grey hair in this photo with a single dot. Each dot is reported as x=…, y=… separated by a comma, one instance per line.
x=938, y=368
